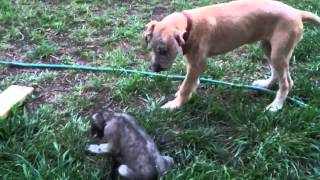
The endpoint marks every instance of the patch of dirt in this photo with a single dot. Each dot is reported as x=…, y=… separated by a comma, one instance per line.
x=103, y=101
x=48, y=91
x=126, y=1
x=159, y=12
x=126, y=46
x=4, y=72
x=52, y=2
x=19, y=53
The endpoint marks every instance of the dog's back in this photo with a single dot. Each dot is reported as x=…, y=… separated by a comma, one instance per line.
x=137, y=148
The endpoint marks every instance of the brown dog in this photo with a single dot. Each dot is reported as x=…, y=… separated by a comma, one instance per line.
x=217, y=29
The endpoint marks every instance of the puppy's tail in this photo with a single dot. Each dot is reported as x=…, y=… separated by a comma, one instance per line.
x=310, y=17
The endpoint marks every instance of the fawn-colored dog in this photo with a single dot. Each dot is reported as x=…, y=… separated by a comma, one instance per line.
x=217, y=29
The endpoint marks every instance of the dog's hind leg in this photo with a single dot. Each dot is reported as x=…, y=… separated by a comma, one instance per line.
x=266, y=83
x=114, y=169
x=282, y=70
x=283, y=44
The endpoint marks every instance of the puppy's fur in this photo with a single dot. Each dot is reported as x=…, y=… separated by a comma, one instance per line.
x=223, y=27
x=134, y=152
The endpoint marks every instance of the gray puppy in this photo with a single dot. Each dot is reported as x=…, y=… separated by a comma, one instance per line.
x=133, y=150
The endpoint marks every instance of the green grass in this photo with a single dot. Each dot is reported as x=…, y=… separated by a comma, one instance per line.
x=222, y=133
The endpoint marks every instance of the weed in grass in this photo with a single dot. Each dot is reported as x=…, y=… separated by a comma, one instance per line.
x=178, y=66
x=6, y=47
x=12, y=33
x=81, y=7
x=99, y=21
x=7, y=12
x=67, y=59
x=181, y=4
x=305, y=52
x=129, y=87
x=44, y=49
x=255, y=52
x=118, y=58
x=59, y=26
x=164, y=85
x=82, y=36
x=128, y=29
x=88, y=54
x=36, y=36
x=215, y=70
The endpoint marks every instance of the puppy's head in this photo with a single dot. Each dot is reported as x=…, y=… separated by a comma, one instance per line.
x=165, y=41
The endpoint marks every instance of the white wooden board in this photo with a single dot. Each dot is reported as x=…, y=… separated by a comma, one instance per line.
x=12, y=96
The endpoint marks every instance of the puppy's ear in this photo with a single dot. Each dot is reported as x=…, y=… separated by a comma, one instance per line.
x=148, y=33
x=178, y=35
x=97, y=124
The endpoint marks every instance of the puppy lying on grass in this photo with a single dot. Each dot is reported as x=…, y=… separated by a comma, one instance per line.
x=134, y=152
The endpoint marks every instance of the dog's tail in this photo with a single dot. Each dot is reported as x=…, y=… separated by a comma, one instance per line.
x=310, y=17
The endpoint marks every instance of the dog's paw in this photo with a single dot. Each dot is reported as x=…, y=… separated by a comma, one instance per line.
x=274, y=107
x=98, y=148
x=125, y=171
x=264, y=83
x=171, y=105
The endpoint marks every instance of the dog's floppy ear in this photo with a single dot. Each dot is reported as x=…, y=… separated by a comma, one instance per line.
x=179, y=37
x=148, y=32
x=97, y=124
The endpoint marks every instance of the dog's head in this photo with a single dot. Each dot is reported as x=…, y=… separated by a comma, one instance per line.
x=165, y=41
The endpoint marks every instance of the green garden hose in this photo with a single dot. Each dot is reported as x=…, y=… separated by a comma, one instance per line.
x=149, y=74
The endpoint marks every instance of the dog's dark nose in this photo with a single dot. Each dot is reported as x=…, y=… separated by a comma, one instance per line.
x=157, y=68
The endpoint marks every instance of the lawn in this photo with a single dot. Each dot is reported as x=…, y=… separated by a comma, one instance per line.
x=222, y=133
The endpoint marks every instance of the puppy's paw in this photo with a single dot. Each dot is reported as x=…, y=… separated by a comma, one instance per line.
x=98, y=148
x=165, y=165
x=264, y=83
x=274, y=107
x=171, y=105
x=169, y=160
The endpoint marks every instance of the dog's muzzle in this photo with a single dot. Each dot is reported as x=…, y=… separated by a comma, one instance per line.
x=157, y=68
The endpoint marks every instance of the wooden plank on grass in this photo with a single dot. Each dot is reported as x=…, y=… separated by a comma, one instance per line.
x=12, y=96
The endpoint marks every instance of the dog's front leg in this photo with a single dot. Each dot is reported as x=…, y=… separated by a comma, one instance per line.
x=189, y=84
x=99, y=148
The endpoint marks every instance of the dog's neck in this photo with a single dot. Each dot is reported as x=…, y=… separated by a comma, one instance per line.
x=185, y=47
